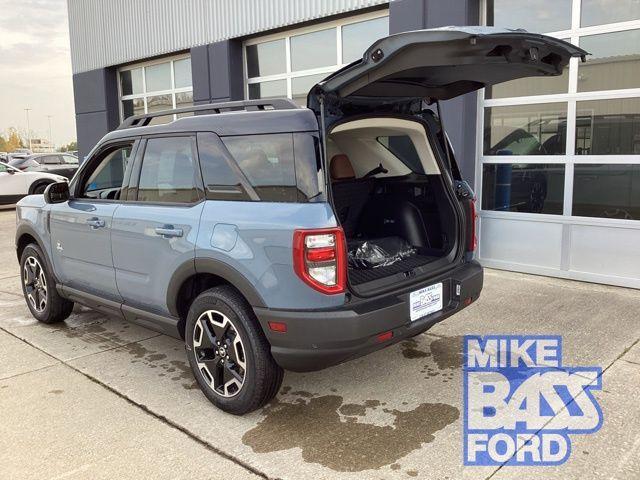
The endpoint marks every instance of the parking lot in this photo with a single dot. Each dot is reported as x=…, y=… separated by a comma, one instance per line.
x=96, y=397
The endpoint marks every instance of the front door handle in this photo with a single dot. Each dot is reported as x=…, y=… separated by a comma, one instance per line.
x=95, y=222
x=168, y=231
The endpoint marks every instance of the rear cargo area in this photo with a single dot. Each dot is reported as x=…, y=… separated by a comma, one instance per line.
x=391, y=200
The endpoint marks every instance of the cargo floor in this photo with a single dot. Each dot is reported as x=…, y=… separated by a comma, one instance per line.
x=359, y=276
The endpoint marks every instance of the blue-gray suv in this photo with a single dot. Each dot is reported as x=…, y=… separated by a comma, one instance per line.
x=270, y=236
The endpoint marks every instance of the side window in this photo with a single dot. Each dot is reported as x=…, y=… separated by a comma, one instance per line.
x=403, y=148
x=168, y=172
x=222, y=178
x=267, y=162
x=106, y=179
x=69, y=159
x=50, y=160
x=309, y=176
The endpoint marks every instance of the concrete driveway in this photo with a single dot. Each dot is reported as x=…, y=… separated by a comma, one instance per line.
x=96, y=397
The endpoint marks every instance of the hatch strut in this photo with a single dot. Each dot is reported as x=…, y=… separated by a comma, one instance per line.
x=327, y=185
x=443, y=136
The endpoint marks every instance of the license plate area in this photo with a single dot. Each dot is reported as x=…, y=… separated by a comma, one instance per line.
x=425, y=301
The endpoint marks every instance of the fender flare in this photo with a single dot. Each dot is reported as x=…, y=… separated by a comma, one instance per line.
x=27, y=229
x=214, y=267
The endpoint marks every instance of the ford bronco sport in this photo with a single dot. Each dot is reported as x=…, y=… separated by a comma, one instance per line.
x=273, y=237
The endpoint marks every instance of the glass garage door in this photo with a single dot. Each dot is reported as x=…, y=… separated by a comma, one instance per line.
x=559, y=158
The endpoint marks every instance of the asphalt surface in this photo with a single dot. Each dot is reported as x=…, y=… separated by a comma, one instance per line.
x=96, y=397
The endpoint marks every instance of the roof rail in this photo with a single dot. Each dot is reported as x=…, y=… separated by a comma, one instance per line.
x=212, y=108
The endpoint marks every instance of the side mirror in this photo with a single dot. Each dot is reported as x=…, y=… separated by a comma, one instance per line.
x=56, y=192
x=10, y=171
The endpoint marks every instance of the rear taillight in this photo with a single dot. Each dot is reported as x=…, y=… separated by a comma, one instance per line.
x=473, y=239
x=319, y=259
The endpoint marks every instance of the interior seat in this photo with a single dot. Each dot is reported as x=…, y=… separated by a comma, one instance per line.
x=350, y=194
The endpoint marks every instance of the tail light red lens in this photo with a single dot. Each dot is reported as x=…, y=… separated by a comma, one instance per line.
x=320, y=259
x=473, y=239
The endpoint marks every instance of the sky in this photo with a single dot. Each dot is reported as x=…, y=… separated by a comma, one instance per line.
x=35, y=69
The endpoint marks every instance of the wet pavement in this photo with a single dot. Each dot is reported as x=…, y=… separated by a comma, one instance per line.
x=97, y=397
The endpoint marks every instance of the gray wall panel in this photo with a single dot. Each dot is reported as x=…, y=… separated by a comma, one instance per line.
x=106, y=33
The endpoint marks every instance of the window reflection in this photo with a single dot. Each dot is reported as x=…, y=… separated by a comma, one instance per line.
x=614, y=62
x=266, y=58
x=274, y=88
x=607, y=191
x=313, y=50
x=526, y=130
x=599, y=12
x=158, y=77
x=530, y=188
x=608, y=127
x=540, y=16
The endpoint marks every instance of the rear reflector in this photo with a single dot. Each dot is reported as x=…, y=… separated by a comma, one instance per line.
x=383, y=337
x=320, y=259
x=473, y=239
x=279, y=327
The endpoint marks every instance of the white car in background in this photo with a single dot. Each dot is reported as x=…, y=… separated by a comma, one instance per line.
x=15, y=184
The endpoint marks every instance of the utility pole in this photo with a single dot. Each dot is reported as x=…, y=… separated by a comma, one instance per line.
x=28, y=128
x=50, y=144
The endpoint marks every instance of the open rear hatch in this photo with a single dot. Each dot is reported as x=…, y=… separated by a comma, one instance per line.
x=399, y=76
x=442, y=63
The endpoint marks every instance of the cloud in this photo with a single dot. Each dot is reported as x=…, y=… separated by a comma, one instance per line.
x=36, y=68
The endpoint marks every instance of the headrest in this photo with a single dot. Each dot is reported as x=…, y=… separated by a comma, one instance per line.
x=341, y=168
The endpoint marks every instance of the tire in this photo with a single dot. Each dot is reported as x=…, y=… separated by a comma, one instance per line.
x=222, y=314
x=39, y=188
x=39, y=288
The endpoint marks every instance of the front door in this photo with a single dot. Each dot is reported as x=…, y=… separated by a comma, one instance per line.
x=14, y=184
x=154, y=234
x=81, y=227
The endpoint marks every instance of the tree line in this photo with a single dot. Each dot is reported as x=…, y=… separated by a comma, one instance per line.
x=12, y=140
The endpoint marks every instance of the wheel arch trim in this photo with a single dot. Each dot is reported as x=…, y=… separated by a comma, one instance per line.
x=214, y=267
x=26, y=229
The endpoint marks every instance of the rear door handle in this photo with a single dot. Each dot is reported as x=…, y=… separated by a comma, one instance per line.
x=95, y=222
x=168, y=231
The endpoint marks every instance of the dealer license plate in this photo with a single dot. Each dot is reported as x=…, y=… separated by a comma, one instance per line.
x=425, y=301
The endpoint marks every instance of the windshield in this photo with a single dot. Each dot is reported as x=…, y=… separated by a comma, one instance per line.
x=17, y=162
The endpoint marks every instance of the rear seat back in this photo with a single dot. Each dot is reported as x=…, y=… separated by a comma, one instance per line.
x=350, y=194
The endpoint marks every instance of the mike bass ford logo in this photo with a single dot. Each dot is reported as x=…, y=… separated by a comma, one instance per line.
x=521, y=404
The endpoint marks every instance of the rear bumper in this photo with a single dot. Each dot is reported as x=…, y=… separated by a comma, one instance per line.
x=316, y=339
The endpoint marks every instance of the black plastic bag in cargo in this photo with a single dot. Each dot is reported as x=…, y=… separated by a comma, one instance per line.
x=378, y=252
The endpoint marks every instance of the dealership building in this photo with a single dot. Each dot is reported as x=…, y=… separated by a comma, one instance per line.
x=555, y=162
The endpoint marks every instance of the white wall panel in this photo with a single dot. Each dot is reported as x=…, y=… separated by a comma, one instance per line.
x=521, y=242
x=605, y=250
x=113, y=32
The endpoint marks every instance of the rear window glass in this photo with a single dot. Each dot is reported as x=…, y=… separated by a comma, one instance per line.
x=267, y=162
x=308, y=167
x=220, y=180
x=402, y=147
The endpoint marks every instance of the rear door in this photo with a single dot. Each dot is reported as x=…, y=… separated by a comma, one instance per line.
x=81, y=227
x=155, y=230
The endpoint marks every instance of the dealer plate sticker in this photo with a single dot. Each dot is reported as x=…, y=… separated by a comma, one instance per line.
x=425, y=301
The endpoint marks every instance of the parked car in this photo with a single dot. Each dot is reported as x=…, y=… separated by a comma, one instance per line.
x=15, y=184
x=4, y=157
x=58, y=163
x=274, y=237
